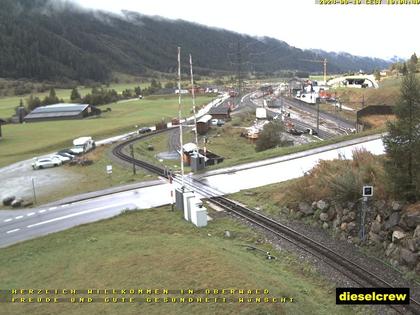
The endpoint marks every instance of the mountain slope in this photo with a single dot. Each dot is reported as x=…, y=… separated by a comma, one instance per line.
x=42, y=39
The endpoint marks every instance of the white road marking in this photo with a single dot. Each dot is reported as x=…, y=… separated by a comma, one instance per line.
x=76, y=214
x=52, y=208
x=12, y=231
x=29, y=214
x=42, y=211
x=7, y=220
x=19, y=217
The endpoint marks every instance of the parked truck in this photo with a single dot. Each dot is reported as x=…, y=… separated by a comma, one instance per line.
x=82, y=145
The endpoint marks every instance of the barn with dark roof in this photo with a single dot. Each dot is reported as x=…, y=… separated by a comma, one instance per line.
x=61, y=111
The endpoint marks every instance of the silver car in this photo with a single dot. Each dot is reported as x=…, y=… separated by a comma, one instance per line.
x=45, y=163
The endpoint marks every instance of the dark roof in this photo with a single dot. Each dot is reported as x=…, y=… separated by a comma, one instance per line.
x=2, y=121
x=220, y=110
x=57, y=110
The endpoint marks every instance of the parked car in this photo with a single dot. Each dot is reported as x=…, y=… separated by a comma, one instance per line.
x=45, y=163
x=214, y=122
x=220, y=122
x=82, y=145
x=67, y=152
x=144, y=130
x=63, y=159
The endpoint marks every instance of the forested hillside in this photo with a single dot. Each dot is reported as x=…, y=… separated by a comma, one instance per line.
x=55, y=40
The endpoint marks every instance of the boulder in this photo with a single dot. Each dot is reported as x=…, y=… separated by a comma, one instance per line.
x=331, y=213
x=408, y=257
x=343, y=226
x=305, y=208
x=398, y=236
x=337, y=221
x=227, y=234
x=325, y=225
x=411, y=219
x=352, y=215
x=391, y=249
x=378, y=218
x=413, y=244
x=375, y=238
x=351, y=226
x=323, y=216
x=322, y=205
x=392, y=221
x=417, y=231
x=396, y=206
x=375, y=227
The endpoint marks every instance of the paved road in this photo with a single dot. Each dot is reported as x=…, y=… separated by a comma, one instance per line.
x=20, y=225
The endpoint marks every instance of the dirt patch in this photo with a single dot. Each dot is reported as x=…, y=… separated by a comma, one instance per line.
x=16, y=180
x=96, y=154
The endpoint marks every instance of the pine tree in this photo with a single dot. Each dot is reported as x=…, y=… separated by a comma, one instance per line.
x=75, y=95
x=402, y=143
x=413, y=59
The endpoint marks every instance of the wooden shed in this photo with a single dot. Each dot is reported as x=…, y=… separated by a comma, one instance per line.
x=220, y=112
x=203, y=124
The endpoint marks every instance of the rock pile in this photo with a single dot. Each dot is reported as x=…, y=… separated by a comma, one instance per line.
x=390, y=226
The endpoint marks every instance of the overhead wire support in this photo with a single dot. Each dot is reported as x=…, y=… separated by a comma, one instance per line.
x=193, y=102
x=179, y=118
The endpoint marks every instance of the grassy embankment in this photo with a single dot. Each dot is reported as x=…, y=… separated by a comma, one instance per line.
x=226, y=141
x=157, y=249
x=22, y=141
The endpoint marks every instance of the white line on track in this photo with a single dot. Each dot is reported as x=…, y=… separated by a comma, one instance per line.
x=30, y=214
x=7, y=220
x=42, y=211
x=76, y=214
x=19, y=217
x=52, y=208
x=12, y=231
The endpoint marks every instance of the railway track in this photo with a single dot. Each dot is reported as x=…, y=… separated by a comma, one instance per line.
x=345, y=266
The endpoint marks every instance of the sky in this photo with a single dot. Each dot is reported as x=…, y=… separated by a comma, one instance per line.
x=381, y=31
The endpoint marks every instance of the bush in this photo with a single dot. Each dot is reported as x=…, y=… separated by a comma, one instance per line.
x=270, y=136
x=341, y=179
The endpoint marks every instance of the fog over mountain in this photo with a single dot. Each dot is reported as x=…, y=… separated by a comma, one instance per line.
x=52, y=40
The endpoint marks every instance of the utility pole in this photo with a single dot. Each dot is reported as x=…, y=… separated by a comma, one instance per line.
x=193, y=101
x=239, y=70
x=317, y=118
x=179, y=117
x=33, y=189
x=132, y=156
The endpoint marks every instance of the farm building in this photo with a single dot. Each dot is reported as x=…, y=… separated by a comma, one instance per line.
x=1, y=123
x=220, y=112
x=61, y=111
x=203, y=124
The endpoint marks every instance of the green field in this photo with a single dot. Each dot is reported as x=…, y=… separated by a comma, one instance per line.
x=8, y=104
x=22, y=141
x=157, y=249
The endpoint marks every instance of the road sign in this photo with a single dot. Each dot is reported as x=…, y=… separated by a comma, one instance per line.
x=367, y=191
x=109, y=169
